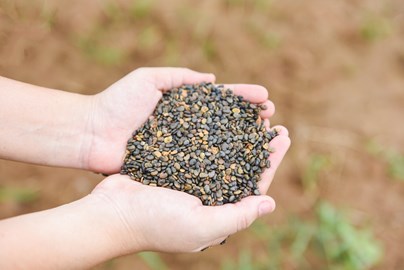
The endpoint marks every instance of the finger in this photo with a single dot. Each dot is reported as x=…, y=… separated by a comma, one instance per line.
x=281, y=130
x=251, y=92
x=280, y=144
x=167, y=78
x=116, y=182
x=230, y=218
x=269, y=112
x=266, y=124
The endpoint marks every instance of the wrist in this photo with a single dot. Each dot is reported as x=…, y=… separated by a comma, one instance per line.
x=87, y=130
x=121, y=237
x=78, y=235
x=100, y=234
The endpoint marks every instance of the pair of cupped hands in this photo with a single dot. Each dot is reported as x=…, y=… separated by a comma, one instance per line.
x=161, y=219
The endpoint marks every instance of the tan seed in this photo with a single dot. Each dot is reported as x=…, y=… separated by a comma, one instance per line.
x=157, y=154
x=236, y=110
x=168, y=139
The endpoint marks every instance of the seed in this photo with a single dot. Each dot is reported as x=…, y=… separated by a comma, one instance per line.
x=203, y=140
x=168, y=139
x=157, y=154
x=236, y=110
x=148, y=165
x=214, y=150
x=192, y=161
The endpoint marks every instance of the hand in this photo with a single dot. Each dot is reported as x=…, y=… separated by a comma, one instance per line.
x=161, y=219
x=124, y=107
x=127, y=104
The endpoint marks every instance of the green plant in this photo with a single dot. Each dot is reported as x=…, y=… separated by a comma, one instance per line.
x=374, y=28
x=263, y=36
x=234, y=3
x=345, y=246
x=153, y=260
x=396, y=166
x=172, y=53
x=48, y=16
x=141, y=9
x=328, y=240
x=209, y=49
x=318, y=163
x=394, y=159
x=103, y=54
x=245, y=262
x=148, y=37
x=19, y=195
x=113, y=11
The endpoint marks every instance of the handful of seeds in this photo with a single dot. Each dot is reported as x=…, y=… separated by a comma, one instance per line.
x=202, y=140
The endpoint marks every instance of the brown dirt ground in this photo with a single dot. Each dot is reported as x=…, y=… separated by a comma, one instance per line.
x=334, y=89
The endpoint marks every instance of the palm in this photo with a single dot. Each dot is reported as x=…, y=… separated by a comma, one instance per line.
x=126, y=105
x=174, y=214
x=123, y=108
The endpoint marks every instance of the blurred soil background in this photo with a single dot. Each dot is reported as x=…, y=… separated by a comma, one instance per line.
x=334, y=69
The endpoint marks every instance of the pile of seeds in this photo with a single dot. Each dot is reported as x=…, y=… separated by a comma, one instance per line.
x=203, y=140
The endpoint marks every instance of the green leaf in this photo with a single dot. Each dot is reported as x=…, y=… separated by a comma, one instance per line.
x=153, y=260
x=19, y=195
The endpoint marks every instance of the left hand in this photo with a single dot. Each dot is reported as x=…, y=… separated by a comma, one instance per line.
x=123, y=107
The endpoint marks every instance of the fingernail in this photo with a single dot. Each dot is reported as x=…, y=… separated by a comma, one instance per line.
x=265, y=207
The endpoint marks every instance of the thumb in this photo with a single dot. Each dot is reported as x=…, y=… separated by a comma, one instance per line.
x=231, y=218
x=165, y=78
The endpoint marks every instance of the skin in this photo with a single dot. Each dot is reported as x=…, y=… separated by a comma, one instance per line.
x=120, y=216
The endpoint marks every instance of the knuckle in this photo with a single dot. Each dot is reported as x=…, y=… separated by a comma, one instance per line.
x=243, y=223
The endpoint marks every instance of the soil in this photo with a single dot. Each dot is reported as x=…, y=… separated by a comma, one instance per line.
x=334, y=69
